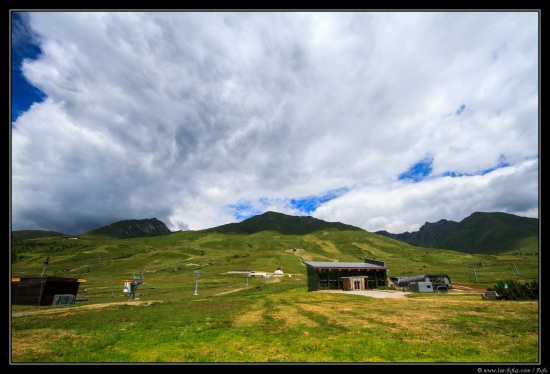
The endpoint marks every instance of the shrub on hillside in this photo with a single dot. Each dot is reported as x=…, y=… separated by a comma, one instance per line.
x=512, y=290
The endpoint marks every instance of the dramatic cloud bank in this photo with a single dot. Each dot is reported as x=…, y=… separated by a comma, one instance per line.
x=382, y=120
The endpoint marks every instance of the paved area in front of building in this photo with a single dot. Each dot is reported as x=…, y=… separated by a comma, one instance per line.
x=373, y=293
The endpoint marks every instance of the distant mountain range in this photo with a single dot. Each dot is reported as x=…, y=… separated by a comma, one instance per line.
x=489, y=233
x=133, y=228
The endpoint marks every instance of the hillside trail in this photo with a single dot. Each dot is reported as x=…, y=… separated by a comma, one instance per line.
x=81, y=307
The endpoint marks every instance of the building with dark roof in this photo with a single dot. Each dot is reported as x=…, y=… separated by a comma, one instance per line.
x=42, y=291
x=346, y=276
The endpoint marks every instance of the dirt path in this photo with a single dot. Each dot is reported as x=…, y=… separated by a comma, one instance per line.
x=90, y=306
x=223, y=293
x=371, y=293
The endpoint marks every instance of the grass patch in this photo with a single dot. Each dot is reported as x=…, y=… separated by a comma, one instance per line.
x=288, y=326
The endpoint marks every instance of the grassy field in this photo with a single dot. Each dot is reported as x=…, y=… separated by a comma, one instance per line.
x=235, y=319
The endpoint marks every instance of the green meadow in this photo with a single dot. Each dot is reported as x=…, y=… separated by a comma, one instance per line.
x=233, y=318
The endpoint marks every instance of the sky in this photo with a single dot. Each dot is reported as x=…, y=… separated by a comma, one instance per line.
x=381, y=120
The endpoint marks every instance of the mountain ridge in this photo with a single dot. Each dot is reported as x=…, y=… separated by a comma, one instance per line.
x=488, y=233
x=281, y=223
x=481, y=232
x=133, y=229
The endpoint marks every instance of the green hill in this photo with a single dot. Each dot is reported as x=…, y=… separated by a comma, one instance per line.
x=167, y=258
x=283, y=224
x=490, y=233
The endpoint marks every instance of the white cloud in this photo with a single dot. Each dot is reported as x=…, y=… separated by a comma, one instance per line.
x=181, y=116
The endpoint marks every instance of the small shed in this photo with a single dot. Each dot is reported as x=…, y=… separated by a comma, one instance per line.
x=42, y=291
x=422, y=287
x=440, y=282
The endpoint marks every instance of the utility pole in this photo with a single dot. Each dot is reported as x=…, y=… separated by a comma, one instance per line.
x=44, y=268
x=197, y=274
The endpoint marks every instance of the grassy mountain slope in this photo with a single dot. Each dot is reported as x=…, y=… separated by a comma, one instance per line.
x=281, y=223
x=493, y=233
x=490, y=233
x=171, y=259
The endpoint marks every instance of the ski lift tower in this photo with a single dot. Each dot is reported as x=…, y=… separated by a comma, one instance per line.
x=197, y=274
x=131, y=285
x=474, y=267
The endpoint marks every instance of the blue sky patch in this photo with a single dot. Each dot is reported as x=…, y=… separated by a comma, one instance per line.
x=243, y=210
x=23, y=94
x=306, y=205
x=310, y=204
x=502, y=163
x=418, y=171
